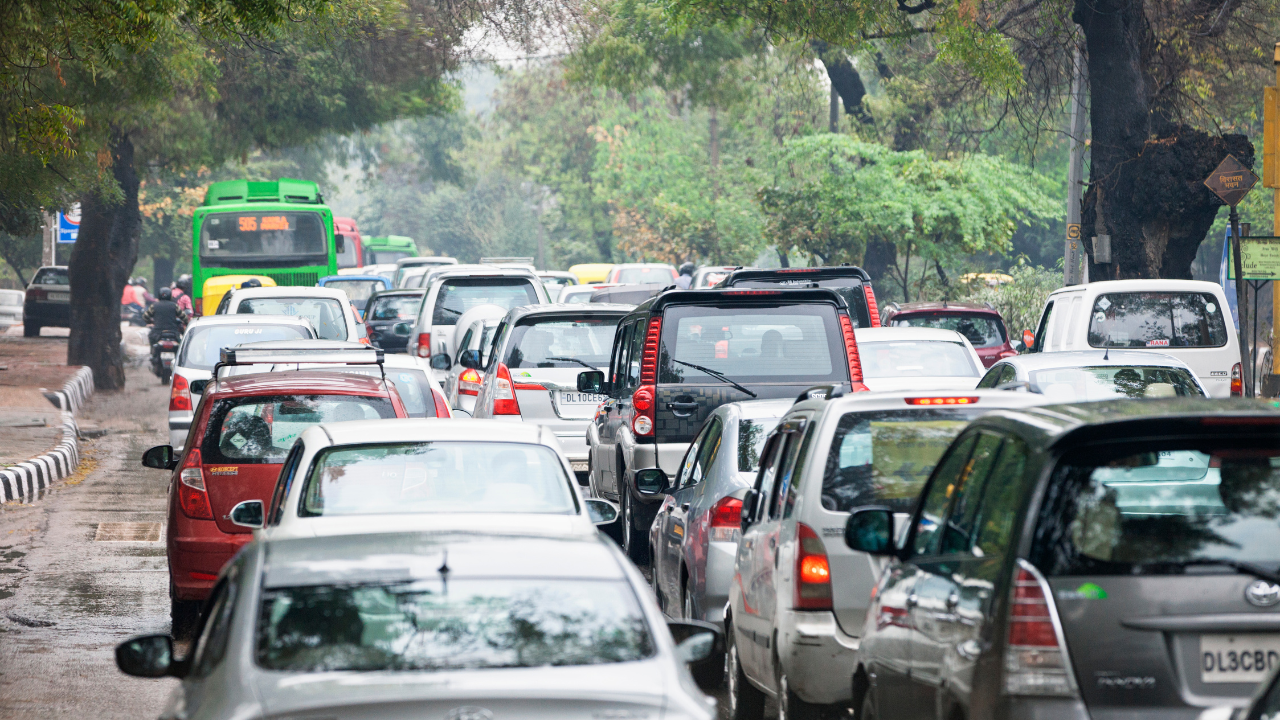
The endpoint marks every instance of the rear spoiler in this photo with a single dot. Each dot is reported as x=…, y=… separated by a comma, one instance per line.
x=718, y=295
x=810, y=273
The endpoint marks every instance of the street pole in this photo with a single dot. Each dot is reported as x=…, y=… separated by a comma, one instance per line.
x=1242, y=308
x=1073, y=254
x=1271, y=141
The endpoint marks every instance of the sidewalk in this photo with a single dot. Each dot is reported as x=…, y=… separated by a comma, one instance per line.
x=29, y=423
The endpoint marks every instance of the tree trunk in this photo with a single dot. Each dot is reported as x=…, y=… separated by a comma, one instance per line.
x=844, y=79
x=163, y=268
x=104, y=255
x=877, y=259
x=713, y=131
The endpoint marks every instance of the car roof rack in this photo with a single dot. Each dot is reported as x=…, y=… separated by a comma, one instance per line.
x=284, y=354
x=822, y=392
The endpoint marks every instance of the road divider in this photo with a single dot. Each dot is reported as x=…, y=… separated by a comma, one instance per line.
x=25, y=480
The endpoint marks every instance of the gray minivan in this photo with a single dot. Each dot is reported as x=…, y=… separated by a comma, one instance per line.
x=1081, y=561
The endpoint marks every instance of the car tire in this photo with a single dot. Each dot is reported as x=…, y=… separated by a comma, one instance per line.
x=30, y=330
x=790, y=706
x=184, y=615
x=634, y=544
x=746, y=701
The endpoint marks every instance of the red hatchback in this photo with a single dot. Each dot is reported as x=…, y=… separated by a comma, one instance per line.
x=980, y=324
x=241, y=433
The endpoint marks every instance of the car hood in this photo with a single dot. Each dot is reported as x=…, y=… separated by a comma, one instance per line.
x=924, y=384
x=502, y=523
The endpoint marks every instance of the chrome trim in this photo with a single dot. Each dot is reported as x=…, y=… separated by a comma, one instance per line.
x=1057, y=624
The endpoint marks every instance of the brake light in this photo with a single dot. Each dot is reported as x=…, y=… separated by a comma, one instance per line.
x=504, y=393
x=644, y=400
x=1237, y=385
x=424, y=345
x=529, y=386
x=35, y=294
x=726, y=520
x=752, y=292
x=798, y=270
x=469, y=382
x=442, y=407
x=1007, y=353
x=192, y=496
x=203, y=576
x=179, y=395
x=1034, y=662
x=941, y=400
x=813, y=573
x=872, y=308
x=851, y=352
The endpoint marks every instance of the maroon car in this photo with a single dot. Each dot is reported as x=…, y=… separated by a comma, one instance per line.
x=981, y=324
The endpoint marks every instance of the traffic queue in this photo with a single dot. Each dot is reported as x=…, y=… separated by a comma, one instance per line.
x=434, y=489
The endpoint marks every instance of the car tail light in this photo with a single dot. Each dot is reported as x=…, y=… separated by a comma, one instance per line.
x=1007, y=353
x=752, y=292
x=197, y=306
x=469, y=382
x=203, y=576
x=504, y=393
x=645, y=399
x=1237, y=384
x=35, y=294
x=726, y=520
x=1034, y=659
x=872, y=308
x=941, y=400
x=192, y=496
x=442, y=407
x=851, y=351
x=813, y=573
x=179, y=395
x=424, y=345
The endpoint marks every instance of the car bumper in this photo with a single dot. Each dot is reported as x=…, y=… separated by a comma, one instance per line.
x=716, y=579
x=204, y=554
x=818, y=657
x=56, y=314
x=1217, y=387
x=1031, y=708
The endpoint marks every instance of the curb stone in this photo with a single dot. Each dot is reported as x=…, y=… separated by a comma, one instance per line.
x=25, y=480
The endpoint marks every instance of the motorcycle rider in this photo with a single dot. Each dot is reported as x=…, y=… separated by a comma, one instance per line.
x=182, y=294
x=140, y=294
x=164, y=315
x=686, y=276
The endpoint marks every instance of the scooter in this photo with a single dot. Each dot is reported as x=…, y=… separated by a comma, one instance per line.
x=132, y=314
x=163, y=353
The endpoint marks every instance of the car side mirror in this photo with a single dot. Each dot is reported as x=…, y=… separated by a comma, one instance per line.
x=700, y=645
x=601, y=512
x=248, y=514
x=651, y=481
x=1029, y=340
x=469, y=359
x=440, y=361
x=870, y=530
x=198, y=386
x=340, y=243
x=160, y=457
x=591, y=381
x=749, y=502
x=401, y=329
x=149, y=656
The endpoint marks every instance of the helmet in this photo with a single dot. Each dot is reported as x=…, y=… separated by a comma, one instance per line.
x=184, y=282
x=140, y=281
x=165, y=294
x=686, y=269
x=251, y=283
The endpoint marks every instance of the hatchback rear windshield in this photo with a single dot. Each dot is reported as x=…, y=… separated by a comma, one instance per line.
x=384, y=257
x=563, y=342
x=1144, y=510
x=412, y=385
x=395, y=307
x=12, y=297
x=884, y=458
x=255, y=430
x=458, y=295
x=469, y=624
x=326, y=314
x=1088, y=384
x=437, y=477
x=202, y=346
x=787, y=343
x=916, y=358
x=51, y=276
x=982, y=331
x=645, y=276
x=1155, y=320
x=358, y=291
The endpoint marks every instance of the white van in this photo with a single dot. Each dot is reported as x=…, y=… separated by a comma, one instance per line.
x=1187, y=319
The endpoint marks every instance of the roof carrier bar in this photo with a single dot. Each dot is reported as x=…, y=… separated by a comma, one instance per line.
x=246, y=354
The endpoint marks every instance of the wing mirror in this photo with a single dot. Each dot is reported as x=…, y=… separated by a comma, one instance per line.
x=160, y=457
x=652, y=481
x=601, y=512
x=340, y=243
x=591, y=381
x=248, y=514
x=469, y=359
x=870, y=530
x=1029, y=340
x=440, y=361
x=401, y=329
x=149, y=656
x=700, y=645
x=198, y=386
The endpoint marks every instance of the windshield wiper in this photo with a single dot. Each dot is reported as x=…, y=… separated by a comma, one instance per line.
x=569, y=359
x=716, y=374
x=1244, y=567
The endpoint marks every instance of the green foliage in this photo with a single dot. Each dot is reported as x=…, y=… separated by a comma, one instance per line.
x=21, y=252
x=1019, y=302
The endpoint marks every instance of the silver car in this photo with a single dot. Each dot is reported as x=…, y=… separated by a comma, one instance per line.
x=432, y=625
x=10, y=308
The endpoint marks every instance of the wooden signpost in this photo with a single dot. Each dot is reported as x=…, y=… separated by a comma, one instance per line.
x=1231, y=181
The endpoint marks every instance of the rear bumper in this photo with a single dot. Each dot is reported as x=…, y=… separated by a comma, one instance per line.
x=817, y=656
x=1030, y=708
x=56, y=314
x=203, y=549
x=717, y=576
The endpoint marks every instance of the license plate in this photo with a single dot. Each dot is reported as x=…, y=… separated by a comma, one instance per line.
x=1238, y=658
x=166, y=356
x=577, y=398
x=580, y=466
x=59, y=297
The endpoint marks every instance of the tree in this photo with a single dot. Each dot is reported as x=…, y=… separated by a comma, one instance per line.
x=21, y=252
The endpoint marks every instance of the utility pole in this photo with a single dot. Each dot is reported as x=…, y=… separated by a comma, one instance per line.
x=49, y=239
x=1073, y=254
x=1271, y=179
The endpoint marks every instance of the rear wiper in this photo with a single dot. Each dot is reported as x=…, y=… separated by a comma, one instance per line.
x=576, y=360
x=716, y=374
x=1244, y=567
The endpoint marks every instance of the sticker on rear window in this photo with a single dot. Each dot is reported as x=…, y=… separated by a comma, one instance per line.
x=1164, y=342
x=1104, y=303
x=1087, y=591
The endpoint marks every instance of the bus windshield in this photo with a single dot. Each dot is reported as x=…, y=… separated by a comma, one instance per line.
x=263, y=239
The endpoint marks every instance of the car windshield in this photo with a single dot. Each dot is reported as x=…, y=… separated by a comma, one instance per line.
x=437, y=477
x=982, y=331
x=787, y=343
x=412, y=385
x=395, y=307
x=573, y=341
x=347, y=258
x=51, y=276
x=1155, y=320
x=358, y=291
x=1087, y=384
x=249, y=430
x=326, y=314
x=849, y=288
x=385, y=257
x=458, y=295
x=576, y=296
x=201, y=348
x=751, y=436
x=470, y=624
x=262, y=238
x=645, y=275
x=1153, y=510
x=884, y=458
x=916, y=358
x=11, y=298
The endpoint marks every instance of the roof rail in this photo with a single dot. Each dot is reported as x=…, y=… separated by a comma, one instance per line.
x=283, y=354
x=822, y=392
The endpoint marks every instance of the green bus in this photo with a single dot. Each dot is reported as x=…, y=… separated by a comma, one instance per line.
x=388, y=249
x=281, y=230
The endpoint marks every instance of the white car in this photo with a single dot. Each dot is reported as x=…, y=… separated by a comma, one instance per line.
x=11, y=308
x=201, y=348
x=906, y=358
x=474, y=331
x=577, y=294
x=404, y=264
x=424, y=475
x=328, y=309
x=1095, y=375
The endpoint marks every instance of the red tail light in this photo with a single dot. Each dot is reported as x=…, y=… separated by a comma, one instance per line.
x=1237, y=384
x=813, y=573
x=197, y=306
x=424, y=345
x=192, y=496
x=726, y=520
x=872, y=308
x=644, y=401
x=442, y=407
x=1034, y=661
x=504, y=393
x=851, y=351
x=941, y=400
x=1007, y=353
x=179, y=395
x=469, y=382
x=752, y=292
x=35, y=294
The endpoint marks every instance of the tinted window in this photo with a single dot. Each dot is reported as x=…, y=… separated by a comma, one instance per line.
x=412, y=385
x=347, y=258
x=249, y=430
x=1154, y=320
x=1042, y=329
x=849, y=288
x=395, y=307
x=621, y=354
x=645, y=275
x=795, y=343
x=916, y=358
x=991, y=379
x=708, y=452
x=793, y=473
x=690, y=461
x=51, y=276
x=562, y=342
x=327, y=315
x=958, y=533
x=459, y=295
x=203, y=344
x=773, y=453
x=979, y=329
x=237, y=239
x=1113, y=382
x=421, y=626
x=358, y=291
x=751, y=437
x=1002, y=500
x=934, y=505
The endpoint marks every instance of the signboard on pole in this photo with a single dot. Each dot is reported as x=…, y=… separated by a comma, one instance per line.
x=69, y=225
x=1259, y=259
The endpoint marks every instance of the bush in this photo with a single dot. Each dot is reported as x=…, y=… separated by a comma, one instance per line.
x=1020, y=302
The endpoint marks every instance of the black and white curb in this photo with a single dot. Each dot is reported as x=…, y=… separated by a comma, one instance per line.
x=26, y=480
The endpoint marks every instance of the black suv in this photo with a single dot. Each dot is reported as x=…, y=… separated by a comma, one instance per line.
x=679, y=356
x=387, y=309
x=851, y=283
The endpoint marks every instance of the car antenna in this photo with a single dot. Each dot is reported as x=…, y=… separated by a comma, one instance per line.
x=444, y=571
x=1106, y=356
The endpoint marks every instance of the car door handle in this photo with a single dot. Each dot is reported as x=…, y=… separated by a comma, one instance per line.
x=952, y=601
x=682, y=409
x=912, y=600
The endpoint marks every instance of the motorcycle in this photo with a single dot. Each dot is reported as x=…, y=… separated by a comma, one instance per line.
x=163, y=353
x=132, y=314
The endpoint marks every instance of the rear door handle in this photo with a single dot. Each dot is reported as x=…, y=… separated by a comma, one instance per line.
x=912, y=600
x=682, y=409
